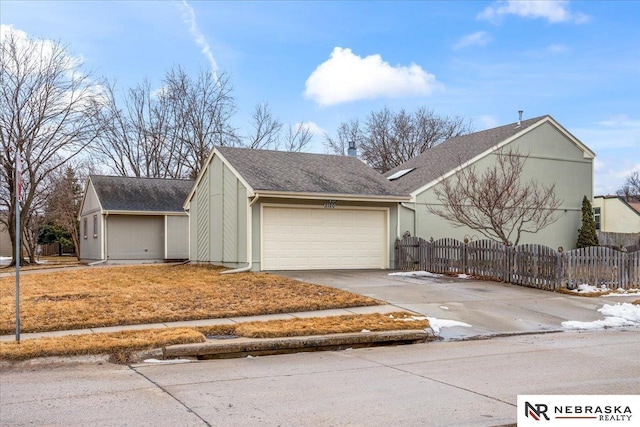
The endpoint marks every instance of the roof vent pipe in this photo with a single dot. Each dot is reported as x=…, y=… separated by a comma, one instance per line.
x=352, y=149
x=519, y=118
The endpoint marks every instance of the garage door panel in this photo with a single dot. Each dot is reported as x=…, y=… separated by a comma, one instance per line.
x=309, y=238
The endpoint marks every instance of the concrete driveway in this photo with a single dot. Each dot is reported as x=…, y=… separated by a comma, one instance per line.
x=490, y=308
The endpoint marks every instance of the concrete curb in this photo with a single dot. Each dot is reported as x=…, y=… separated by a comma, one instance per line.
x=242, y=347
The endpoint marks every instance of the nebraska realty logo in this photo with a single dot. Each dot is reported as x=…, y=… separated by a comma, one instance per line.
x=578, y=410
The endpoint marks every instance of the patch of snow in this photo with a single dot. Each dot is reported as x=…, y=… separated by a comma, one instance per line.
x=5, y=258
x=463, y=276
x=444, y=308
x=391, y=316
x=624, y=293
x=585, y=287
x=616, y=316
x=168, y=361
x=364, y=331
x=625, y=311
x=415, y=274
x=437, y=324
x=411, y=319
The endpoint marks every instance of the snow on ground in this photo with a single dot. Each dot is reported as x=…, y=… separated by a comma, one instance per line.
x=586, y=288
x=415, y=274
x=616, y=316
x=437, y=324
x=168, y=361
x=624, y=293
x=463, y=276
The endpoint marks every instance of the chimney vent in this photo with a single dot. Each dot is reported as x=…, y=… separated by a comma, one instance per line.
x=519, y=118
x=352, y=149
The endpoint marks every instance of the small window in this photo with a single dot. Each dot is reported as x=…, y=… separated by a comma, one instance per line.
x=95, y=226
x=596, y=217
x=85, y=226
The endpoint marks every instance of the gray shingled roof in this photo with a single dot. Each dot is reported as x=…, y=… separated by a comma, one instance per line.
x=118, y=193
x=268, y=170
x=437, y=161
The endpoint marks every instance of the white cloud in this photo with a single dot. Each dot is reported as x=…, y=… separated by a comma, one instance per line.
x=554, y=11
x=313, y=128
x=189, y=17
x=616, y=142
x=479, y=38
x=347, y=77
x=487, y=122
x=557, y=48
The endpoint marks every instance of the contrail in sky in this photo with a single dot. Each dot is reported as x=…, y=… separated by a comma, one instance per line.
x=189, y=17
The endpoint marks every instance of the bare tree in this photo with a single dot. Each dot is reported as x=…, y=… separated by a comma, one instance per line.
x=630, y=190
x=167, y=132
x=387, y=139
x=350, y=131
x=63, y=204
x=298, y=137
x=46, y=106
x=497, y=202
x=266, y=129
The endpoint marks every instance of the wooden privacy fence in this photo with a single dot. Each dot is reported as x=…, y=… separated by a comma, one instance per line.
x=531, y=265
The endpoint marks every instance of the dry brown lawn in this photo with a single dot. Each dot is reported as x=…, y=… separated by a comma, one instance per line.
x=120, y=344
x=46, y=262
x=127, y=295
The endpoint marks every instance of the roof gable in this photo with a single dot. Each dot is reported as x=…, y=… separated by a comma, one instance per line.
x=292, y=172
x=444, y=159
x=117, y=193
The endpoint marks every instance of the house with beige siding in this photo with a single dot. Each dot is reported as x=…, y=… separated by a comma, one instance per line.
x=553, y=156
x=124, y=219
x=271, y=210
x=615, y=214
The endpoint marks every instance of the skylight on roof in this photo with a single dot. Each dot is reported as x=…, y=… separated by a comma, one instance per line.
x=399, y=174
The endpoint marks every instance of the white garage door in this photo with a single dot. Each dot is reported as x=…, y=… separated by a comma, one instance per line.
x=310, y=238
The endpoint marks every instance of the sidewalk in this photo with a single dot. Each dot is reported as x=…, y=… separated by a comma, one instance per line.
x=211, y=322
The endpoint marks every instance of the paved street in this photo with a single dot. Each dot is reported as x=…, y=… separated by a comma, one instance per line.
x=469, y=383
x=443, y=383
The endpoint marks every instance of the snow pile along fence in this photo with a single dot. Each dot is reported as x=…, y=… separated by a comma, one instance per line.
x=531, y=265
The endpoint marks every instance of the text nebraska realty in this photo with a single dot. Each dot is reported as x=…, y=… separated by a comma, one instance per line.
x=600, y=413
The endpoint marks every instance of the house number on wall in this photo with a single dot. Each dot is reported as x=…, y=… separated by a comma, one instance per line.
x=330, y=204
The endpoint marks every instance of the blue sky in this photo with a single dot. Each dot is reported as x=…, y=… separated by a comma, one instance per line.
x=323, y=63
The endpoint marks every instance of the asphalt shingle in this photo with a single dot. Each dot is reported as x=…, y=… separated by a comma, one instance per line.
x=268, y=170
x=443, y=158
x=118, y=193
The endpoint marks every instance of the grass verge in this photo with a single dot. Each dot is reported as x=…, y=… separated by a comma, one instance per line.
x=120, y=344
x=130, y=295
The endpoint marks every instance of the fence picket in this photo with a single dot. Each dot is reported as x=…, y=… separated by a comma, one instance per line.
x=528, y=265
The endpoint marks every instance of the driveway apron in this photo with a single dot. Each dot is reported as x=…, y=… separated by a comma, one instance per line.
x=490, y=308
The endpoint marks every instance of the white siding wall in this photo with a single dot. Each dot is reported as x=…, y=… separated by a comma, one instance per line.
x=616, y=216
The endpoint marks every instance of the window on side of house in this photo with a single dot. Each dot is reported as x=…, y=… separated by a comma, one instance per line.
x=95, y=226
x=85, y=226
x=596, y=217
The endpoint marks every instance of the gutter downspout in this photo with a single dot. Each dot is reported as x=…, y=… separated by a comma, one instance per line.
x=104, y=236
x=249, y=240
x=415, y=215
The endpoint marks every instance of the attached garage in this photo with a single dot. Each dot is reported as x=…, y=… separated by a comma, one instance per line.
x=272, y=210
x=302, y=238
